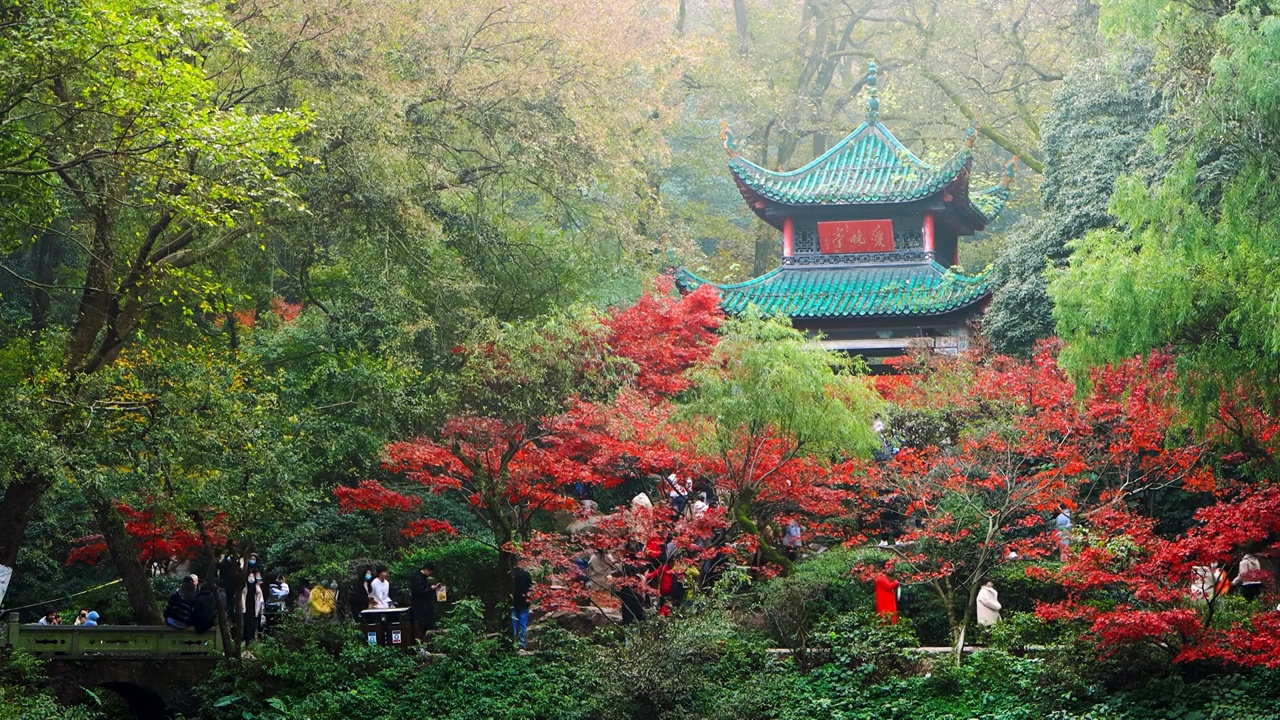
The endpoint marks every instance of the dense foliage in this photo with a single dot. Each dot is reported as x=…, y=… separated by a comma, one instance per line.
x=352, y=283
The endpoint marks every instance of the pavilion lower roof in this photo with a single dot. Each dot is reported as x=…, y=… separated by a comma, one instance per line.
x=872, y=290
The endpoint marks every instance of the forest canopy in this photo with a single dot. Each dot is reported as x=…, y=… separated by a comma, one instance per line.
x=343, y=284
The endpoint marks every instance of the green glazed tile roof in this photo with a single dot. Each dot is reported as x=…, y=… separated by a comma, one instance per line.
x=868, y=166
x=859, y=291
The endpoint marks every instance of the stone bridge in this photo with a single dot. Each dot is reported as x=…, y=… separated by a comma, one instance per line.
x=151, y=668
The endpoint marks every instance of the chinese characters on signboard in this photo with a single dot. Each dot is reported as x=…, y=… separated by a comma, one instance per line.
x=855, y=236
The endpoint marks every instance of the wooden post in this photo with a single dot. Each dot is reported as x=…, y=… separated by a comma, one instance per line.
x=928, y=232
x=11, y=639
x=788, y=237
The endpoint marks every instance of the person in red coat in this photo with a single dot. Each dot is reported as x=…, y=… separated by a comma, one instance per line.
x=887, y=596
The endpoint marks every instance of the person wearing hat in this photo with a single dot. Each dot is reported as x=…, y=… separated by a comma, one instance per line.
x=177, y=613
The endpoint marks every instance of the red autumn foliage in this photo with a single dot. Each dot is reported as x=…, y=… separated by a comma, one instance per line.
x=508, y=471
x=665, y=336
x=285, y=310
x=1164, y=601
x=160, y=539
x=1021, y=445
x=371, y=495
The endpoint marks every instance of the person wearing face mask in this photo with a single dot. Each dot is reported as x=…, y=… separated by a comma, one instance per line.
x=360, y=597
x=252, y=602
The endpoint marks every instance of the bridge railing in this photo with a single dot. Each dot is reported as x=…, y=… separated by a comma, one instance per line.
x=113, y=640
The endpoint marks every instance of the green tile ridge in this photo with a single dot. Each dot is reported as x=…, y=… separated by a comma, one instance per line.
x=851, y=291
x=869, y=165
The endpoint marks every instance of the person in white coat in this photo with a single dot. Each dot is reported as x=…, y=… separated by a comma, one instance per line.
x=381, y=590
x=988, y=605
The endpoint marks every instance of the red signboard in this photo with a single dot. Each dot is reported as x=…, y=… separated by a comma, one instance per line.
x=855, y=236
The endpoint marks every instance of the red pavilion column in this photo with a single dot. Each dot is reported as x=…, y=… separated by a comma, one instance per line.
x=788, y=237
x=928, y=232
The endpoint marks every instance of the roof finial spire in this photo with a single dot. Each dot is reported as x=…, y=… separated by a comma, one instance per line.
x=873, y=105
x=1010, y=172
x=730, y=146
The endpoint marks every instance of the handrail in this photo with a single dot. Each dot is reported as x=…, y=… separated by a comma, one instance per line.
x=110, y=640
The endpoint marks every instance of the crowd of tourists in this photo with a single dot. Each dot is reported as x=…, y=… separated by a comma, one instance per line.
x=650, y=576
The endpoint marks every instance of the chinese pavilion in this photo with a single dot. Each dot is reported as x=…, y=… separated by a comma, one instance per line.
x=868, y=231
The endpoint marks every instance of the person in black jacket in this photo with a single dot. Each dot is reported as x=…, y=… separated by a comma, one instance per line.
x=422, y=599
x=358, y=595
x=204, y=610
x=177, y=613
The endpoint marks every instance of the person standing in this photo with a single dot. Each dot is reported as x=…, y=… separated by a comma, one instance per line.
x=360, y=598
x=700, y=506
x=253, y=604
x=887, y=596
x=229, y=578
x=1063, y=525
x=988, y=605
x=521, y=584
x=1249, y=577
x=50, y=618
x=280, y=592
x=792, y=540
x=303, y=603
x=204, y=610
x=600, y=570
x=380, y=590
x=81, y=616
x=678, y=493
x=422, y=599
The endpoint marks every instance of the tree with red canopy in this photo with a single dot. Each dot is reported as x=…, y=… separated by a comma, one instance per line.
x=998, y=447
x=539, y=410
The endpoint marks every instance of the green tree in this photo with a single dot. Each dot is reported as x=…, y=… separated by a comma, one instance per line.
x=124, y=119
x=1095, y=132
x=1189, y=267
x=773, y=410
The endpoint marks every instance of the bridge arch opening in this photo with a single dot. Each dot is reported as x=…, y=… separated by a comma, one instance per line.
x=144, y=703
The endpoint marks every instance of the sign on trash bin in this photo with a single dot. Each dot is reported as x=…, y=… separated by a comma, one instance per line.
x=373, y=637
x=395, y=637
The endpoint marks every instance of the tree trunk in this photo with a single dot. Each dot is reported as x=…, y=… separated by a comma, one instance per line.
x=765, y=257
x=124, y=554
x=767, y=551
x=740, y=20
x=682, y=15
x=219, y=599
x=41, y=263
x=16, y=509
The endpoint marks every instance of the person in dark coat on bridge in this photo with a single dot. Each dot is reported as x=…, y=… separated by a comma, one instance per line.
x=177, y=614
x=204, y=610
x=422, y=599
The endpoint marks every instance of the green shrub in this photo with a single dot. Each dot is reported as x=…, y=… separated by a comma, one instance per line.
x=868, y=646
x=820, y=589
x=467, y=568
x=21, y=694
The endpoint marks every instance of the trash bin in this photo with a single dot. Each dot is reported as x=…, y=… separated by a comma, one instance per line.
x=388, y=627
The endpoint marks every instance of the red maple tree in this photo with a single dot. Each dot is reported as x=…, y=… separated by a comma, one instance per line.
x=512, y=462
x=1018, y=444
x=161, y=539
